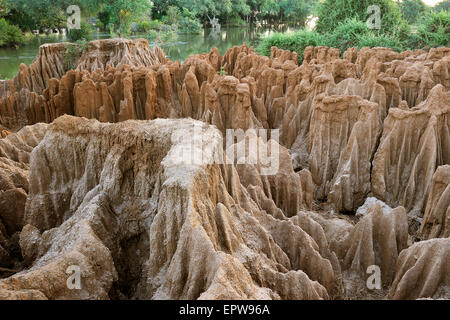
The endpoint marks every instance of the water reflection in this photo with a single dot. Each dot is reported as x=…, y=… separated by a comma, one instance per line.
x=223, y=39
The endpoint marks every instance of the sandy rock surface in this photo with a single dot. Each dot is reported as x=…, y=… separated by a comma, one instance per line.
x=95, y=176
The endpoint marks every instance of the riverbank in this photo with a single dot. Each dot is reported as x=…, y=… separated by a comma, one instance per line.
x=432, y=32
x=180, y=49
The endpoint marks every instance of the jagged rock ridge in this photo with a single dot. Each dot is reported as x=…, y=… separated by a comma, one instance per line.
x=372, y=124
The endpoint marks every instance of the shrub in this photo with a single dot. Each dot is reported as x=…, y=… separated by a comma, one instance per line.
x=173, y=15
x=412, y=9
x=167, y=33
x=73, y=53
x=9, y=34
x=297, y=41
x=375, y=40
x=152, y=35
x=434, y=31
x=147, y=25
x=351, y=33
x=84, y=33
x=188, y=23
x=144, y=26
x=236, y=21
x=190, y=26
x=333, y=12
x=444, y=5
x=347, y=34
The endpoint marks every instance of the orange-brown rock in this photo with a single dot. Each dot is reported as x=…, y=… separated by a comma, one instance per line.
x=119, y=198
x=44, y=90
x=436, y=220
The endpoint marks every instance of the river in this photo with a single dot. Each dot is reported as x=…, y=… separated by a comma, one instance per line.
x=180, y=49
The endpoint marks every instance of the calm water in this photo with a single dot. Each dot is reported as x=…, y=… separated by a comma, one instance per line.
x=11, y=58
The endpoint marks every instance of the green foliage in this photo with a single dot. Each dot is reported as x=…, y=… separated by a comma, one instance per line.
x=160, y=6
x=297, y=41
x=10, y=35
x=435, y=30
x=351, y=33
x=236, y=21
x=173, y=15
x=123, y=12
x=412, y=9
x=167, y=34
x=333, y=12
x=203, y=8
x=444, y=5
x=295, y=9
x=148, y=25
x=347, y=34
x=152, y=35
x=73, y=53
x=222, y=72
x=144, y=26
x=37, y=14
x=84, y=33
x=4, y=8
x=188, y=23
x=104, y=17
x=374, y=40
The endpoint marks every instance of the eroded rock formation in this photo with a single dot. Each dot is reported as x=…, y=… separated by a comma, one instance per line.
x=15, y=152
x=436, y=220
x=367, y=133
x=141, y=224
x=25, y=99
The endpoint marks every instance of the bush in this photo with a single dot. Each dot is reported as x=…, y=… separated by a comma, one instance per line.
x=84, y=33
x=189, y=23
x=351, y=33
x=152, y=35
x=9, y=34
x=412, y=9
x=444, y=5
x=167, y=33
x=347, y=34
x=147, y=25
x=173, y=15
x=375, y=40
x=297, y=41
x=236, y=21
x=73, y=52
x=333, y=12
x=434, y=31
x=144, y=26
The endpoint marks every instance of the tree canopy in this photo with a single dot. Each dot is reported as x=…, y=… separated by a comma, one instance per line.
x=413, y=9
x=333, y=12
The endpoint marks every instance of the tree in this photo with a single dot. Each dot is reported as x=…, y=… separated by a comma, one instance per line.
x=4, y=9
x=173, y=15
x=333, y=12
x=413, y=9
x=123, y=12
x=295, y=9
x=37, y=14
x=160, y=6
x=208, y=8
x=442, y=6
